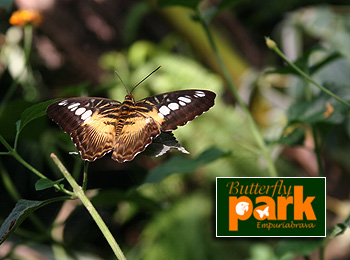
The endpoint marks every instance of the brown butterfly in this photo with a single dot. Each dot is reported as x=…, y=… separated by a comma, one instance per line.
x=100, y=125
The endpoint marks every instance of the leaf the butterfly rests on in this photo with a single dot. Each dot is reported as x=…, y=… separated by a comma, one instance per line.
x=99, y=125
x=163, y=143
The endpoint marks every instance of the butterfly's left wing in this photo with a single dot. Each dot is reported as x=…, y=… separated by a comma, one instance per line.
x=89, y=121
x=176, y=108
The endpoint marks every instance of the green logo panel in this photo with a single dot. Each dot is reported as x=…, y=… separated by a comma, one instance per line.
x=274, y=207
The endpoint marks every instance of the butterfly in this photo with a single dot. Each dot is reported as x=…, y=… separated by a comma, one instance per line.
x=99, y=125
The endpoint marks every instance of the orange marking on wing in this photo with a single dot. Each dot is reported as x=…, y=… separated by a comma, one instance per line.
x=137, y=133
x=96, y=137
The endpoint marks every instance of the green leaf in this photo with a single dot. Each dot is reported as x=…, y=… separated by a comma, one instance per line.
x=326, y=60
x=21, y=211
x=302, y=247
x=296, y=137
x=43, y=184
x=32, y=113
x=340, y=228
x=179, y=164
x=185, y=3
x=163, y=143
x=312, y=112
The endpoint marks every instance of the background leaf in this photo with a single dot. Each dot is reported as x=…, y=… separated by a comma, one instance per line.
x=21, y=211
x=43, y=184
x=179, y=164
x=295, y=137
x=301, y=247
x=340, y=228
x=312, y=112
x=32, y=113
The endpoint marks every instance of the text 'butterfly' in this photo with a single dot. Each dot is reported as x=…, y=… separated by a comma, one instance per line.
x=99, y=125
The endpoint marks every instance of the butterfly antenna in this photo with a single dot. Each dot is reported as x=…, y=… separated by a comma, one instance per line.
x=127, y=91
x=145, y=78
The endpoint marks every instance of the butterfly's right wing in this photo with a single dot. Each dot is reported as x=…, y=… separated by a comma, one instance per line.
x=176, y=108
x=90, y=122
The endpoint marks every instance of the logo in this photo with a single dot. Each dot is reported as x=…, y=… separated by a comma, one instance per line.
x=276, y=207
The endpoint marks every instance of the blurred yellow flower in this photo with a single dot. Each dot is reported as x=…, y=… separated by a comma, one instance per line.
x=23, y=17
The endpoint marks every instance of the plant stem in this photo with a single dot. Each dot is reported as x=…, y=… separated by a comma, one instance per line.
x=28, y=40
x=6, y=180
x=13, y=153
x=85, y=177
x=256, y=133
x=20, y=159
x=317, y=151
x=273, y=46
x=78, y=191
x=322, y=252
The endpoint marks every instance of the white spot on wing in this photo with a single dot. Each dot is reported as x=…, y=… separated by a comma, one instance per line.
x=161, y=115
x=86, y=115
x=87, y=119
x=63, y=103
x=185, y=99
x=80, y=111
x=148, y=120
x=164, y=110
x=173, y=106
x=73, y=106
x=182, y=103
x=156, y=99
x=200, y=93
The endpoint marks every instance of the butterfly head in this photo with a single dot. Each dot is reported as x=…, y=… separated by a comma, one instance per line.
x=129, y=97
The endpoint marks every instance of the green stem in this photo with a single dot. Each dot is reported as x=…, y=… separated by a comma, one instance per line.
x=322, y=252
x=85, y=178
x=317, y=151
x=6, y=180
x=13, y=153
x=256, y=133
x=28, y=40
x=78, y=191
x=272, y=45
x=20, y=159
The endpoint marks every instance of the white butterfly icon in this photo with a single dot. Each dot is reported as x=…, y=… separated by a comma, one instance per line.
x=264, y=212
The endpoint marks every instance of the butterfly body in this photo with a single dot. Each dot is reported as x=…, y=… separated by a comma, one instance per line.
x=99, y=125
